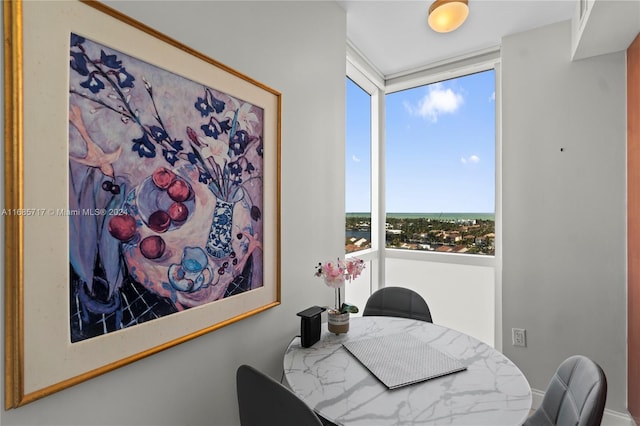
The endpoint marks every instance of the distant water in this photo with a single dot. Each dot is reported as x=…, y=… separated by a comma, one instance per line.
x=437, y=216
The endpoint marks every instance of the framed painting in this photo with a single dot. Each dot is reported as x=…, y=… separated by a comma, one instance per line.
x=141, y=194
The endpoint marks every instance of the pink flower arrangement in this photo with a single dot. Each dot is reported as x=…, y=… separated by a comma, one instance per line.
x=335, y=274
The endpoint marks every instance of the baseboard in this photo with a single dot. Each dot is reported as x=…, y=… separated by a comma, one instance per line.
x=536, y=398
x=610, y=417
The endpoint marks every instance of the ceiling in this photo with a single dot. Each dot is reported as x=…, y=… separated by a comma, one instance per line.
x=394, y=36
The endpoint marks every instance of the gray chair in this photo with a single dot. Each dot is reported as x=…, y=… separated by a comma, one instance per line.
x=263, y=401
x=397, y=302
x=575, y=396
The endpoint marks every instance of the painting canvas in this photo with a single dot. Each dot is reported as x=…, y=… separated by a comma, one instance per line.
x=142, y=195
x=165, y=192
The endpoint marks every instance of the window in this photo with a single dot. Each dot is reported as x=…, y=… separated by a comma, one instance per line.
x=434, y=151
x=358, y=168
x=440, y=166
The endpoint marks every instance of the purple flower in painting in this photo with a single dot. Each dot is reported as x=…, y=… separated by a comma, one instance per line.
x=78, y=63
x=93, y=83
x=76, y=40
x=215, y=128
x=203, y=106
x=170, y=156
x=217, y=104
x=176, y=144
x=212, y=128
x=209, y=104
x=204, y=177
x=224, y=126
x=158, y=133
x=192, y=159
x=110, y=61
x=235, y=168
x=144, y=147
x=238, y=142
x=124, y=78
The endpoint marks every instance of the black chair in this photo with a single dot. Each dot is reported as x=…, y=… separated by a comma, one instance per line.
x=397, y=302
x=264, y=401
x=575, y=396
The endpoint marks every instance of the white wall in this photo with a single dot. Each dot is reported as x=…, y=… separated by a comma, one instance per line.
x=297, y=48
x=564, y=235
x=459, y=296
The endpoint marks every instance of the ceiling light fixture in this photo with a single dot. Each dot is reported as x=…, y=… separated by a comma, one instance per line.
x=447, y=15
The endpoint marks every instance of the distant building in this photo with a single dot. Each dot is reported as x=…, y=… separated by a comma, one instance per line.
x=360, y=242
x=407, y=246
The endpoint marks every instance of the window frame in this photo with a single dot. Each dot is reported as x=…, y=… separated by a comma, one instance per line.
x=372, y=85
x=363, y=73
x=374, y=245
x=435, y=75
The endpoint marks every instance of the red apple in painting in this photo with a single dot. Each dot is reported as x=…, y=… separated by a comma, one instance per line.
x=152, y=247
x=178, y=212
x=122, y=227
x=179, y=190
x=163, y=177
x=159, y=221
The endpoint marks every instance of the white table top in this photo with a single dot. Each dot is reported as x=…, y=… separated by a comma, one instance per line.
x=492, y=391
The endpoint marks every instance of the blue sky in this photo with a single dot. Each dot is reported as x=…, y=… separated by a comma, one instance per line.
x=440, y=152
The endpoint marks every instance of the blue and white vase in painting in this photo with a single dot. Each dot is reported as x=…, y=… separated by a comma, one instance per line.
x=220, y=234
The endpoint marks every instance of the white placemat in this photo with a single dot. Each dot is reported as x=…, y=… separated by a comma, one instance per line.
x=401, y=359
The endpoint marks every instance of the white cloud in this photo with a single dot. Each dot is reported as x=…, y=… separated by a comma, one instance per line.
x=492, y=98
x=472, y=159
x=355, y=159
x=439, y=100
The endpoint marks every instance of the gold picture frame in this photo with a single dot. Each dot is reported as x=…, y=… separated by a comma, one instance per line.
x=55, y=131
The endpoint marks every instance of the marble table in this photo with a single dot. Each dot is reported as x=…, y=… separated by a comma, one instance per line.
x=491, y=391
